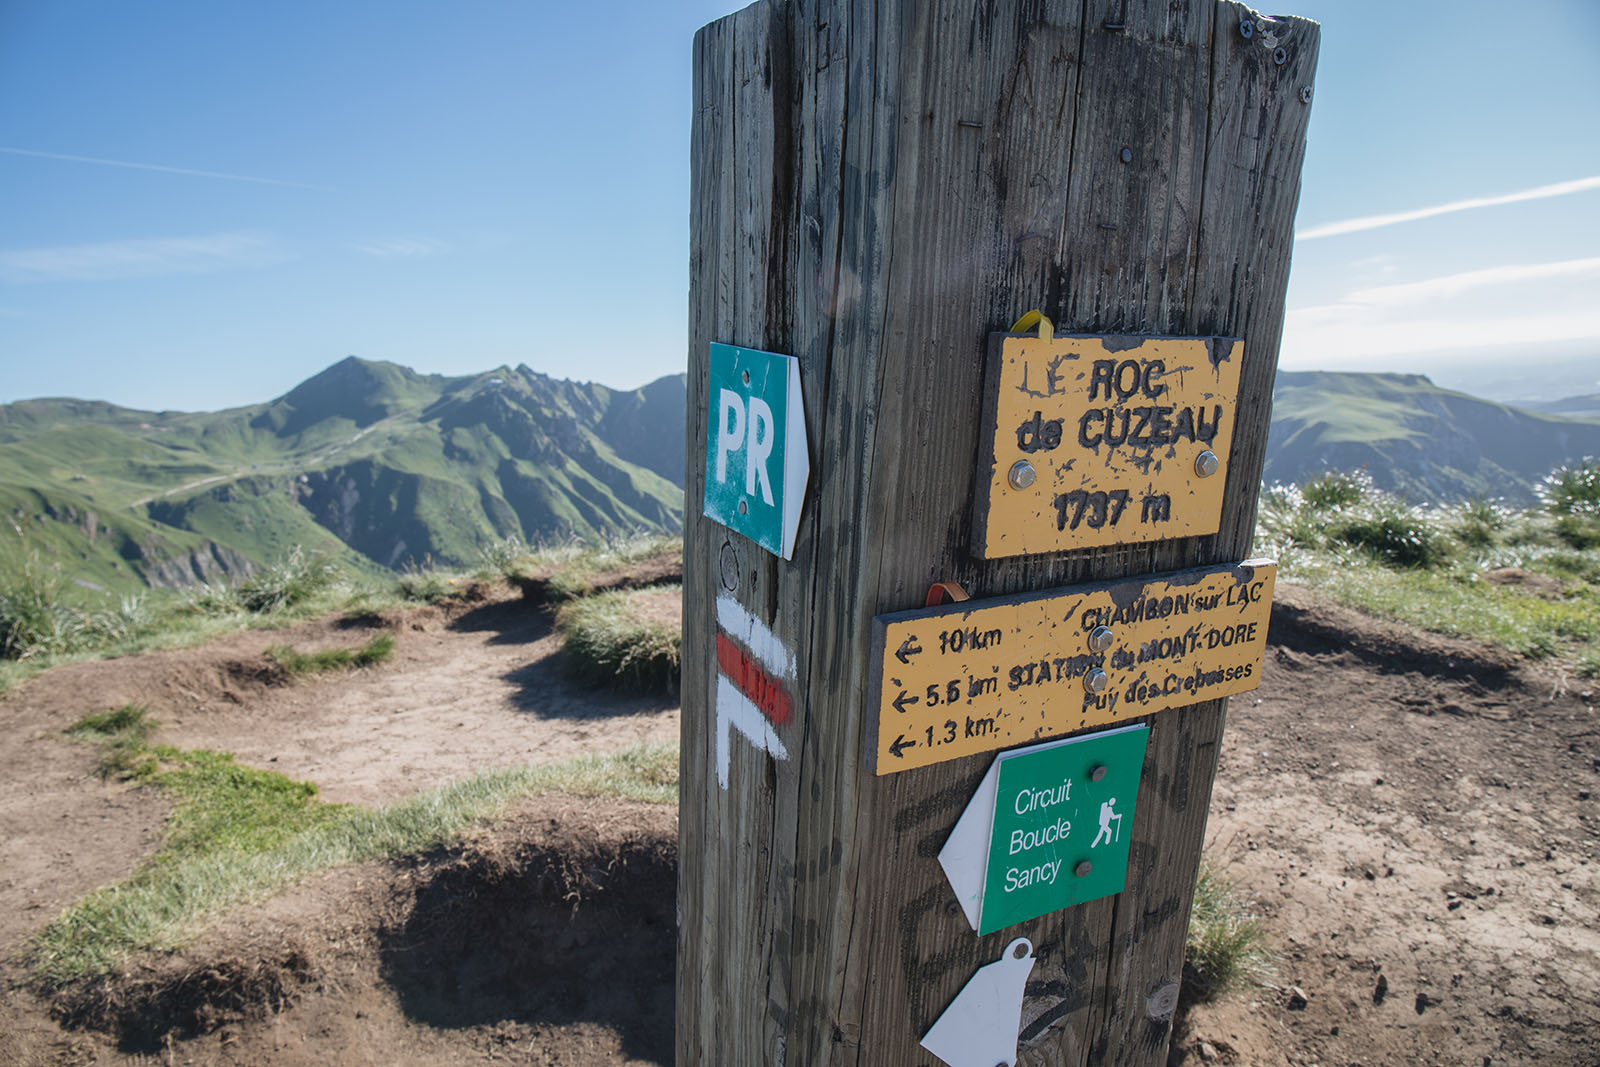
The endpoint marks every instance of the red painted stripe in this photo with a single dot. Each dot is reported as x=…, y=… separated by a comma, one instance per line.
x=748, y=677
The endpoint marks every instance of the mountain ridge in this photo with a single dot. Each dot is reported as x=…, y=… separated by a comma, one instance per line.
x=381, y=467
x=1423, y=442
x=369, y=462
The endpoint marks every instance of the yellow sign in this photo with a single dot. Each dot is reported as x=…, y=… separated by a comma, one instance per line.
x=1103, y=440
x=980, y=675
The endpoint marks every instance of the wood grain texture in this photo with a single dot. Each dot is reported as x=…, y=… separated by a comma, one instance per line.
x=875, y=188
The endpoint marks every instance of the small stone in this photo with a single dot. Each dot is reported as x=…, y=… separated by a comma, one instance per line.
x=1208, y=1052
x=1298, y=999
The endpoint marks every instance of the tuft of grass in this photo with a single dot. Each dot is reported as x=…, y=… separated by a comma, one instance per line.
x=34, y=619
x=1589, y=664
x=1227, y=944
x=123, y=734
x=293, y=580
x=1391, y=532
x=303, y=664
x=237, y=833
x=427, y=585
x=1579, y=531
x=1338, y=489
x=1573, y=490
x=505, y=558
x=632, y=638
x=1479, y=524
x=1436, y=568
x=578, y=570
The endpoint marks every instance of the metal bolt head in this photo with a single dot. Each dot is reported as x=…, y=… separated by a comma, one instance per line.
x=1021, y=474
x=1097, y=772
x=1096, y=681
x=1280, y=56
x=1247, y=29
x=744, y=507
x=1083, y=868
x=1127, y=154
x=1305, y=94
x=1100, y=638
x=1206, y=463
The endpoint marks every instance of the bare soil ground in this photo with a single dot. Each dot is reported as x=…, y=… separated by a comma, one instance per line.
x=1417, y=819
x=1415, y=816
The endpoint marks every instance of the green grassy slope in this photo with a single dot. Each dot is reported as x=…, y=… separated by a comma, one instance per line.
x=370, y=463
x=1425, y=443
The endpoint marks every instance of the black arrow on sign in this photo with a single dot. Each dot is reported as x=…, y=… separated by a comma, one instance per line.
x=907, y=650
x=902, y=700
x=899, y=744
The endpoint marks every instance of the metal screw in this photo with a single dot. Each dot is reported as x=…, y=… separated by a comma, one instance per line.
x=1097, y=772
x=1280, y=56
x=744, y=507
x=1021, y=474
x=1127, y=154
x=1100, y=638
x=1305, y=94
x=1206, y=463
x=747, y=377
x=1096, y=681
x=1083, y=868
x=1247, y=29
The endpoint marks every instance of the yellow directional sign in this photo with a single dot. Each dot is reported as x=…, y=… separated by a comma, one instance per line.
x=981, y=675
x=1093, y=440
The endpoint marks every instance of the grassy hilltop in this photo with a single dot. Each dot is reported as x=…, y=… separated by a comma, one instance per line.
x=1427, y=444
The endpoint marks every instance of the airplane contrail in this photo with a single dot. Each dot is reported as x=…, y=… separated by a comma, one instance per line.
x=160, y=167
x=1373, y=222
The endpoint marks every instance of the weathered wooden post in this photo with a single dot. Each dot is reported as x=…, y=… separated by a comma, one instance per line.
x=880, y=190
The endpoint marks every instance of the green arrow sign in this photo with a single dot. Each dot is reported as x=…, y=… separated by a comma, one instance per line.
x=1049, y=827
x=756, y=457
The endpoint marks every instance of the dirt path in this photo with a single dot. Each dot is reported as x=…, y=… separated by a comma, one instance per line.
x=469, y=689
x=1416, y=817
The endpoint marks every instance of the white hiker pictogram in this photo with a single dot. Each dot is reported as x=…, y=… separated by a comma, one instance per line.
x=1107, y=816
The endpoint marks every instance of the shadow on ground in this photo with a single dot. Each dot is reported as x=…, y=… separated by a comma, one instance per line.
x=554, y=933
x=512, y=622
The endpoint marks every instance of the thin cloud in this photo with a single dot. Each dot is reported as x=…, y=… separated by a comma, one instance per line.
x=1456, y=313
x=400, y=247
x=1373, y=222
x=1314, y=338
x=1451, y=285
x=161, y=167
x=109, y=260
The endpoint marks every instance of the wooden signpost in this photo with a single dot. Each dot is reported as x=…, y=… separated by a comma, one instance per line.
x=879, y=191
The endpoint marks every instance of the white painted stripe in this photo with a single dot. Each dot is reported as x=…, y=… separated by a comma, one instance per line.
x=753, y=634
x=735, y=711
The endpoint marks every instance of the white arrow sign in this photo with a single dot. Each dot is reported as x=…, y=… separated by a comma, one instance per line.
x=979, y=1028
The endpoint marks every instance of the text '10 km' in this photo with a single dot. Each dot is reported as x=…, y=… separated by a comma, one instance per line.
x=982, y=675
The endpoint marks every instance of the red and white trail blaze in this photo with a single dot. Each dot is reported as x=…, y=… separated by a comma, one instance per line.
x=752, y=666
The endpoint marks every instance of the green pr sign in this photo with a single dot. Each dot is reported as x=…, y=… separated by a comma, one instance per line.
x=757, y=462
x=1048, y=827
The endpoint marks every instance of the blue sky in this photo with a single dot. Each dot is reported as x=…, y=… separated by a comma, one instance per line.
x=206, y=203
